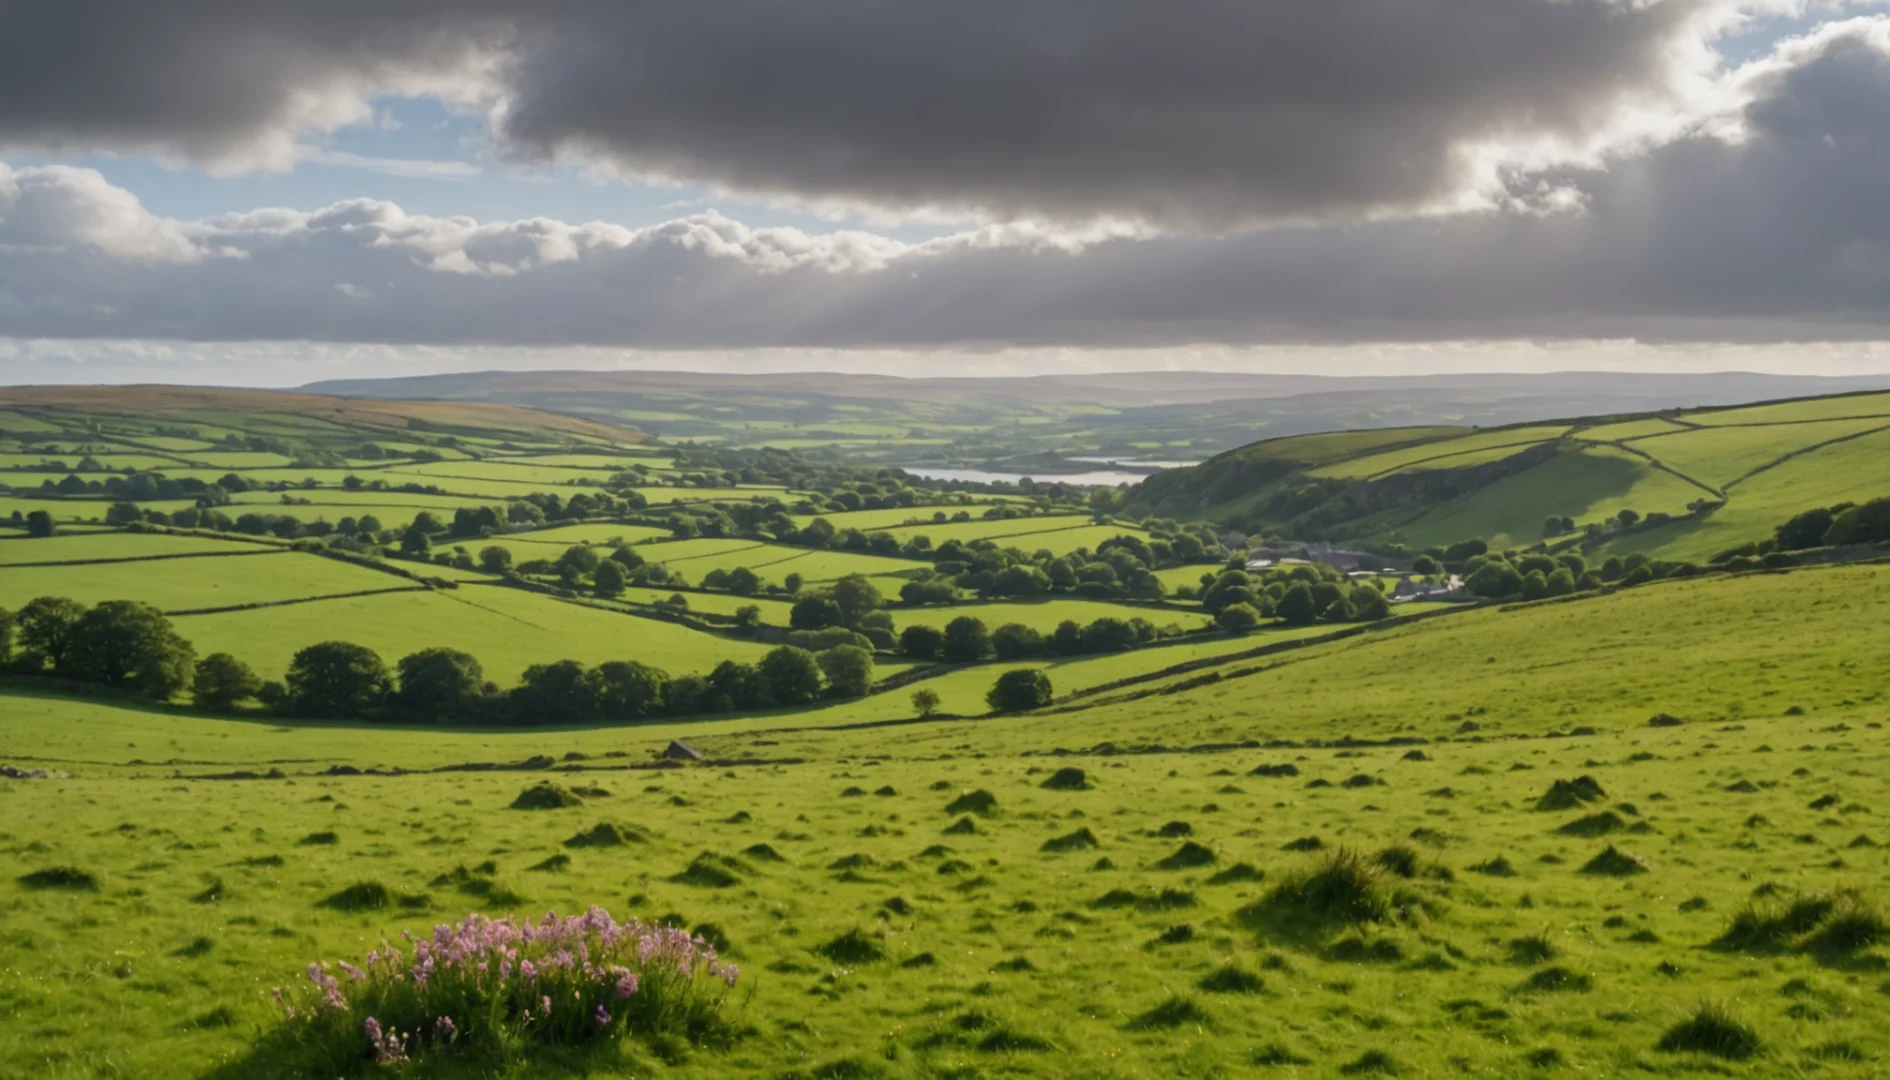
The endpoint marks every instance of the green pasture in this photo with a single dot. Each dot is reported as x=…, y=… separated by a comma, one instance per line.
x=1855, y=470
x=773, y=609
x=85, y=547
x=241, y=459
x=896, y=517
x=1445, y=453
x=247, y=574
x=773, y=562
x=79, y=509
x=1629, y=429
x=1151, y=944
x=506, y=629
x=1043, y=615
x=1722, y=454
x=1790, y=412
x=1003, y=530
x=1590, y=484
x=520, y=470
x=1328, y=447
x=111, y=462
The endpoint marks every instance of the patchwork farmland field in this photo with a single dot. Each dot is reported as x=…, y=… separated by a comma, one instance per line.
x=1630, y=829
x=1145, y=918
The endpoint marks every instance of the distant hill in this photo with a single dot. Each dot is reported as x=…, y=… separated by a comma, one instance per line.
x=1036, y=424
x=344, y=417
x=1695, y=481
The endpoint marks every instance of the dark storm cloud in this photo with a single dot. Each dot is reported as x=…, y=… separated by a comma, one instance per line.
x=1780, y=235
x=1193, y=113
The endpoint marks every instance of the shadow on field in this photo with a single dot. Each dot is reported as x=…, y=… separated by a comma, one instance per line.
x=285, y=1054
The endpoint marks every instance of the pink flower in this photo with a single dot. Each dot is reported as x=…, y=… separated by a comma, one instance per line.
x=627, y=984
x=544, y=1002
x=603, y=1018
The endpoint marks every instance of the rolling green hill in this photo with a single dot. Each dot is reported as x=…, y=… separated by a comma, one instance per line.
x=1700, y=481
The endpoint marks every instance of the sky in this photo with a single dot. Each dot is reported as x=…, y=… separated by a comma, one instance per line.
x=278, y=191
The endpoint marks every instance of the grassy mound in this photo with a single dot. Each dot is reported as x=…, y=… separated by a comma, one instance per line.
x=1188, y=856
x=1080, y=840
x=1712, y=1029
x=852, y=948
x=60, y=877
x=1571, y=794
x=1236, y=874
x=1594, y=825
x=1613, y=862
x=979, y=802
x=1229, y=979
x=1344, y=888
x=711, y=871
x=1838, y=922
x=1288, y=769
x=606, y=834
x=361, y=896
x=545, y=795
x=1067, y=780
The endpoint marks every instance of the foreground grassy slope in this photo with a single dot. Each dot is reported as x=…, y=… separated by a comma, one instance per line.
x=1728, y=474
x=1159, y=951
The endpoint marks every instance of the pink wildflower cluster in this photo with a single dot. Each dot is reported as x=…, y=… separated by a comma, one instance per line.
x=559, y=979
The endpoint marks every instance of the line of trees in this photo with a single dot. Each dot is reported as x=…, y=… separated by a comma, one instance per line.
x=130, y=646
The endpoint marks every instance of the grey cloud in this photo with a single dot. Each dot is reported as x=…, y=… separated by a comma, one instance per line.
x=1778, y=237
x=1202, y=114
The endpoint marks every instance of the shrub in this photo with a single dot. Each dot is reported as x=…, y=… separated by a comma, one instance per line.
x=1020, y=691
x=1344, y=888
x=973, y=802
x=853, y=947
x=488, y=986
x=1069, y=779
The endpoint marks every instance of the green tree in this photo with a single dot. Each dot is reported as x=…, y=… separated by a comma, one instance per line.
x=1369, y=604
x=1627, y=518
x=925, y=702
x=1020, y=691
x=1494, y=580
x=856, y=596
x=609, y=579
x=440, y=684
x=626, y=690
x=221, y=681
x=1425, y=566
x=1866, y=524
x=815, y=612
x=127, y=643
x=966, y=641
x=921, y=642
x=1015, y=641
x=556, y=693
x=1237, y=619
x=494, y=559
x=1535, y=585
x=1297, y=607
x=336, y=680
x=793, y=675
x=415, y=543
x=849, y=671
x=123, y=513
x=578, y=558
x=1109, y=634
x=44, y=628
x=39, y=523
x=6, y=637
x=743, y=581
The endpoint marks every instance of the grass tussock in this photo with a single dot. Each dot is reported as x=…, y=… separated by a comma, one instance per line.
x=980, y=802
x=1834, y=923
x=1714, y=1030
x=361, y=896
x=1080, y=840
x=61, y=877
x=711, y=871
x=1231, y=979
x=546, y=795
x=1176, y=1012
x=852, y=948
x=1614, y=862
x=1067, y=779
x=1238, y=873
x=1345, y=888
x=1188, y=856
x=1571, y=794
x=1594, y=825
x=606, y=834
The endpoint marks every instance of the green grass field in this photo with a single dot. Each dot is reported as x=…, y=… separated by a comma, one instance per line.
x=506, y=629
x=246, y=574
x=1141, y=927
x=1044, y=615
x=69, y=548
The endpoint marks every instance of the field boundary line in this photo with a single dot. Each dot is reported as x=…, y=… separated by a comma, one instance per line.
x=144, y=558
x=297, y=600
x=1803, y=450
